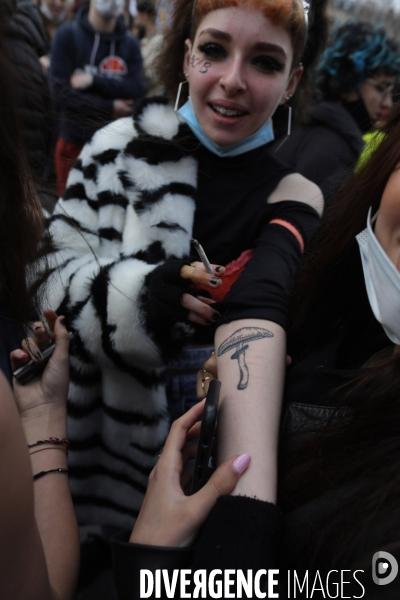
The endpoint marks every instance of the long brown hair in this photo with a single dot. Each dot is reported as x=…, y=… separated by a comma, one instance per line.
x=21, y=217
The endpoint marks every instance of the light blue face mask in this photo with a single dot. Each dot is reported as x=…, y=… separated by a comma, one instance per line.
x=264, y=135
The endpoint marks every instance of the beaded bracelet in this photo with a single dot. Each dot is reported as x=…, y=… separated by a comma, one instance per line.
x=60, y=470
x=52, y=440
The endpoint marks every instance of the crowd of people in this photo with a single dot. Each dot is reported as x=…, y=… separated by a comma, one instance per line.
x=270, y=135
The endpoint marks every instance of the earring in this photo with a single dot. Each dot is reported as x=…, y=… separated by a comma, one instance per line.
x=179, y=93
x=289, y=126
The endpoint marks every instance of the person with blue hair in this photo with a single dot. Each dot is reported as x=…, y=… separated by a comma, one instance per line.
x=354, y=81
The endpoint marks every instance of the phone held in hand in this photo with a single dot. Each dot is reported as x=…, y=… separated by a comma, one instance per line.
x=201, y=473
x=32, y=369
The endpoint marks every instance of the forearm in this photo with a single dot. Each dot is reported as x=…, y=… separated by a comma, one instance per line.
x=54, y=513
x=22, y=567
x=249, y=417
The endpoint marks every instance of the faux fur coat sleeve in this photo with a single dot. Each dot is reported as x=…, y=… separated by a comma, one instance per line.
x=128, y=207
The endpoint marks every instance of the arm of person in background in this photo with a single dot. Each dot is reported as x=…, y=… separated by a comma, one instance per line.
x=62, y=68
x=38, y=531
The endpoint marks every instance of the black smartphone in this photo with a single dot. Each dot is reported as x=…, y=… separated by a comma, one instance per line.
x=208, y=422
x=32, y=369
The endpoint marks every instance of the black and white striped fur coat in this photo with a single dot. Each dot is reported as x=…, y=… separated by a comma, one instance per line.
x=129, y=205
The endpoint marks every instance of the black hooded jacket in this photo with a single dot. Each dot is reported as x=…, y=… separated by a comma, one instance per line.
x=325, y=150
x=115, y=61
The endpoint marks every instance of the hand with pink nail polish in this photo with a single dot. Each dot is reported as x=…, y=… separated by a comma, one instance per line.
x=168, y=517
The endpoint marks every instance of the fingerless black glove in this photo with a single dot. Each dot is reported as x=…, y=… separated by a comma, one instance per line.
x=165, y=318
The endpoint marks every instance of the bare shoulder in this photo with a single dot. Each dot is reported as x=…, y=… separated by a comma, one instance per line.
x=392, y=188
x=296, y=187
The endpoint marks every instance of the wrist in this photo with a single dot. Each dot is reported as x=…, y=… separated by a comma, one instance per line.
x=43, y=422
x=48, y=458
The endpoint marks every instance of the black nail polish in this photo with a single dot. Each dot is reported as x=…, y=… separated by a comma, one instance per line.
x=214, y=280
x=216, y=316
x=63, y=322
x=218, y=269
x=38, y=327
x=38, y=355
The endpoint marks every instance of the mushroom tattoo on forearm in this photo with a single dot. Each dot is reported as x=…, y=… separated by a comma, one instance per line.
x=237, y=341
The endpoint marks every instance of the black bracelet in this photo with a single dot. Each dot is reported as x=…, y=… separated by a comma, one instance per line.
x=38, y=475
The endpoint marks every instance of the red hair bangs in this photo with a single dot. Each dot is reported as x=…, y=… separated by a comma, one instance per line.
x=278, y=11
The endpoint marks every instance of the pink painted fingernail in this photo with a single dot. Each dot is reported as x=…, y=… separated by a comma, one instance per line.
x=241, y=463
x=22, y=354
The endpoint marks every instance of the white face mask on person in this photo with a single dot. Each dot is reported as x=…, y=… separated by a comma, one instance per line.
x=382, y=281
x=109, y=9
x=50, y=17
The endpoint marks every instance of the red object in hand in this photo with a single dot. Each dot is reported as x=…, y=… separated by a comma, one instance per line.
x=232, y=272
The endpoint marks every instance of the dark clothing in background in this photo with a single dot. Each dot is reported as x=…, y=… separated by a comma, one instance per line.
x=116, y=63
x=11, y=335
x=243, y=533
x=25, y=43
x=325, y=150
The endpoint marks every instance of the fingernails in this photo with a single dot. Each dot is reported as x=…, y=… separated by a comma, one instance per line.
x=215, y=316
x=215, y=280
x=218, y=269
x=38, y=355
x=63, y=321
x=38, y=327
x=241, y=463
x=22, y=354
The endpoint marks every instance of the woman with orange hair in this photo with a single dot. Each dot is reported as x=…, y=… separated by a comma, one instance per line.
x=122, y=272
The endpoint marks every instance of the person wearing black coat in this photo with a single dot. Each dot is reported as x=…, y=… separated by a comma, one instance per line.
x=25, y=43
x=326, y=149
